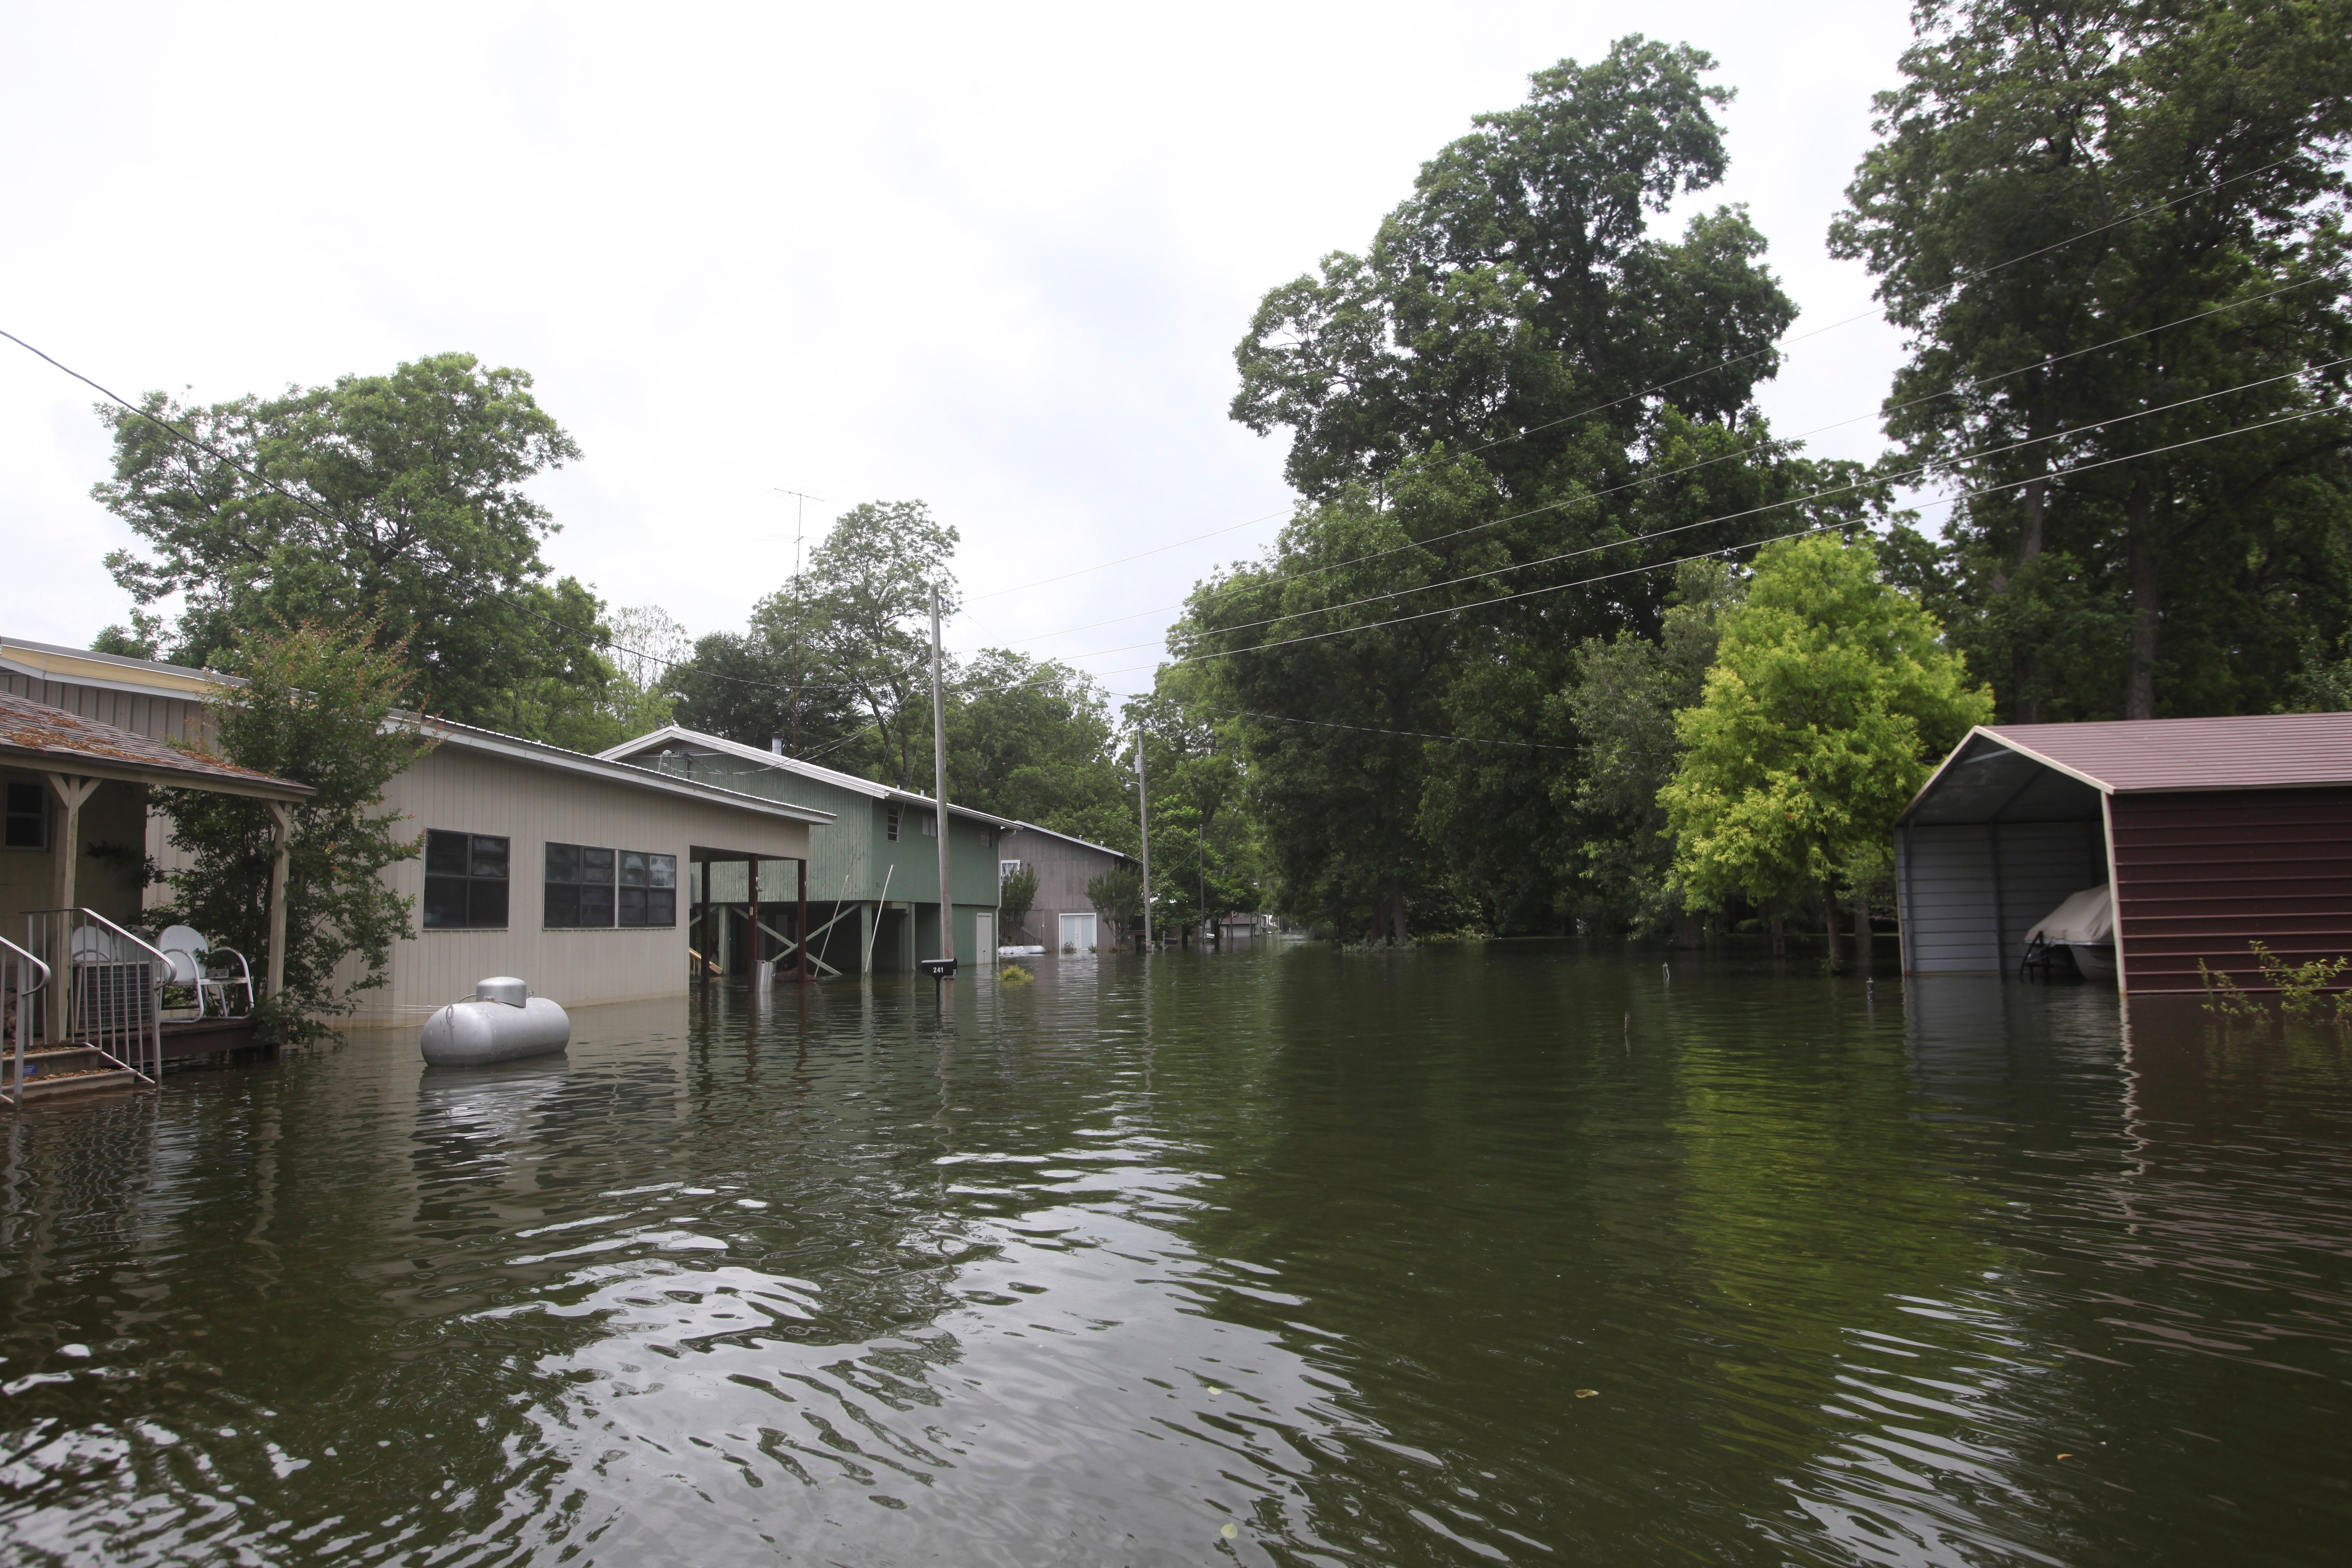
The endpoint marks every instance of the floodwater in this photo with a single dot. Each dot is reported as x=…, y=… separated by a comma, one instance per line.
x=1526, y=1254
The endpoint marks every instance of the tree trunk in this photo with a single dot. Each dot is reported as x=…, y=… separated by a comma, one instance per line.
x=1780, y=937
x=2028, y=550
x=1396, y=916
x=2139, y=697
x=1830, y=925
x=1687, y=935
x=1861, y=931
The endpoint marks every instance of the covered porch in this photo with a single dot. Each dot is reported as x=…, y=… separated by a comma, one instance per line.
x=84, y=981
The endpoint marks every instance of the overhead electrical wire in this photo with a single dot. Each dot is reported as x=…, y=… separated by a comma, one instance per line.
x=1828, y=493
x=1960, y=281
x=1709, y=554
x=1213, y=593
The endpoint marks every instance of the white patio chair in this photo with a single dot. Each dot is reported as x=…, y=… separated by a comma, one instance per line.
x=94, y=944
x=196, y=962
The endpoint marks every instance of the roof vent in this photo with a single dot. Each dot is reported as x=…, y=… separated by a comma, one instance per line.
x=776, y=744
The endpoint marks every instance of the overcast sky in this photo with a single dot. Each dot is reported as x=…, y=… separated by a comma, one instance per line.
x=994, y=258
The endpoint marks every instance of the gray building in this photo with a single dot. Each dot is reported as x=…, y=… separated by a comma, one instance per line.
x=1063, y=916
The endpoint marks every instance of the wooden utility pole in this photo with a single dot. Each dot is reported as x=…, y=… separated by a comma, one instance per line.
x=940, y=785
x=1143, y=820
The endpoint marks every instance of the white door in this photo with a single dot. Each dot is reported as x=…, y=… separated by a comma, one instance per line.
x=1077, y=933
x=983, y=936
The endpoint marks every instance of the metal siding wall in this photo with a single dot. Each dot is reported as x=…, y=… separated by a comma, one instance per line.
x=1952, y=902
x=2044, y=864
x=467, y=792
x=2200, y=875
x=1063, y=872
x=158, y=718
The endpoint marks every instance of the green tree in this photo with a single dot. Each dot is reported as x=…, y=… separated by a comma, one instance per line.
x=1118, y=897
x=1623, y=706
x=410, y=511
x=860, y=614
x=1016, y=894
x=1830, y=702
x=2087, y=213
x=317, y=707
x=1031, y=739
x=1204, y=850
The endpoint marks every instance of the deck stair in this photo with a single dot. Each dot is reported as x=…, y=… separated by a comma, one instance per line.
x=84, y=1007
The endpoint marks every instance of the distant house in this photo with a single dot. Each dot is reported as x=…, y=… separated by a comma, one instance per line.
x=1063, y=916
x=873, y=871
x=573, y=872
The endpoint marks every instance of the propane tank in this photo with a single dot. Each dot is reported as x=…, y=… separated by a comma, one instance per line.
x=504, y=1021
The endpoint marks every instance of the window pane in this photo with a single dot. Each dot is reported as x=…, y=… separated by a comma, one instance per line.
x=489, y=856
x=633, y=868
x=563, y=862
x=632, y=906
x=486, y=904
x=445, y=900
x=444, y=853
x=596, y=904
x=596, y=866
x=661, y=906
x=562, y=904
x=661, y=870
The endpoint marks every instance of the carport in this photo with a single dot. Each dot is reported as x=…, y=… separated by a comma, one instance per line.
x=2219, y=832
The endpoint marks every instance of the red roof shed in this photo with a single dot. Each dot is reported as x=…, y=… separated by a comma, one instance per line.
x=2214, y=833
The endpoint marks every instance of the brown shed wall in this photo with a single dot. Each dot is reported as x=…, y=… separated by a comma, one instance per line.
x=2200, y=874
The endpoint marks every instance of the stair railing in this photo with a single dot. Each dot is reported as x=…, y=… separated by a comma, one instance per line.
x=22, y=977
x=112, y=1002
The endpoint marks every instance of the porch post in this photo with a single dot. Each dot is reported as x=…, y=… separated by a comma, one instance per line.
x=71, y=792
x=800, y=933
x=752, y=972
x=281, y=831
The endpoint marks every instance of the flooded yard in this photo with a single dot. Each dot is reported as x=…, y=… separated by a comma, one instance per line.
x=1524, y=1253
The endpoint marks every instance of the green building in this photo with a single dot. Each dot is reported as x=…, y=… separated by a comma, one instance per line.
x=873, y=871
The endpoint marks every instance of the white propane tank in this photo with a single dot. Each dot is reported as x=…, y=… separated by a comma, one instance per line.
x=504, y=1021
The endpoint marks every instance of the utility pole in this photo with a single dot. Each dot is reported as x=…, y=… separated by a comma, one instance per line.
x=1143, y=820
x=800, y=509
x=940, y=789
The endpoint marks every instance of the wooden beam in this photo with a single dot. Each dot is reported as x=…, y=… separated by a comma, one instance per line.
x=281, y=830
x=72, y=791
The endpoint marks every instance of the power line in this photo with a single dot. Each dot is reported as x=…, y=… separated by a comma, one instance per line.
x=1212, y=594
x=1957, y=283
x=1756, y=510
x=1709, y=554
x=1365, y=729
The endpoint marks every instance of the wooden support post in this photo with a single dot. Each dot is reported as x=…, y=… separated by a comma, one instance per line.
x=72, y=791
x=800, y=931
x=281, y=831
x=754, y=970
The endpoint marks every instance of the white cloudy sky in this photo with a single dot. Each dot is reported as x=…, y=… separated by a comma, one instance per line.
x=994, y=258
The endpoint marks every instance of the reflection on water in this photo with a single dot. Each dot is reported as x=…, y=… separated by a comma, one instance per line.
x=1522, y=1254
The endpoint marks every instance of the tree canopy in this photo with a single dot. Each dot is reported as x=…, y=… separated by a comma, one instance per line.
x=1830, y=701
x=398, y=501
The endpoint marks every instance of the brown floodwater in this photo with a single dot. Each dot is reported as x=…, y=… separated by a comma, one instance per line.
x=1529, y=1253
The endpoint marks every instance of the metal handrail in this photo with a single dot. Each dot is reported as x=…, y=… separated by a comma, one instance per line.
x=12, y=1067
x=147, y=1044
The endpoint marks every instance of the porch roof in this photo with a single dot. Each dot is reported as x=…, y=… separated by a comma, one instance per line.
x=51, y=739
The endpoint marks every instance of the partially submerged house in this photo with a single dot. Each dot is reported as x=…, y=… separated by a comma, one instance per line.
x=873, y=871
x=1062, y=917
x=2212, y=833
x=576, y=873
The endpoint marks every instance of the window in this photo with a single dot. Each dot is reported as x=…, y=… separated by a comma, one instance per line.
x=1006, y=868
x=648, y=889
x=579, y=886
x=465, y=880
x=894, y=825
x=931, y=824
x=28, y=815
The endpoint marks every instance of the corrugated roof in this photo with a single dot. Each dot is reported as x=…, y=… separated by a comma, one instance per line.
x=2253, y=751
x=782, y=764
x=43, y=735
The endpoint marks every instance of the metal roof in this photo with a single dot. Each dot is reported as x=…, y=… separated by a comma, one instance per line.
x=1992, y=774
x=782, y=764
x=111, y=671
x=37, y=734
x=1069, y=838
x=539, y=753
